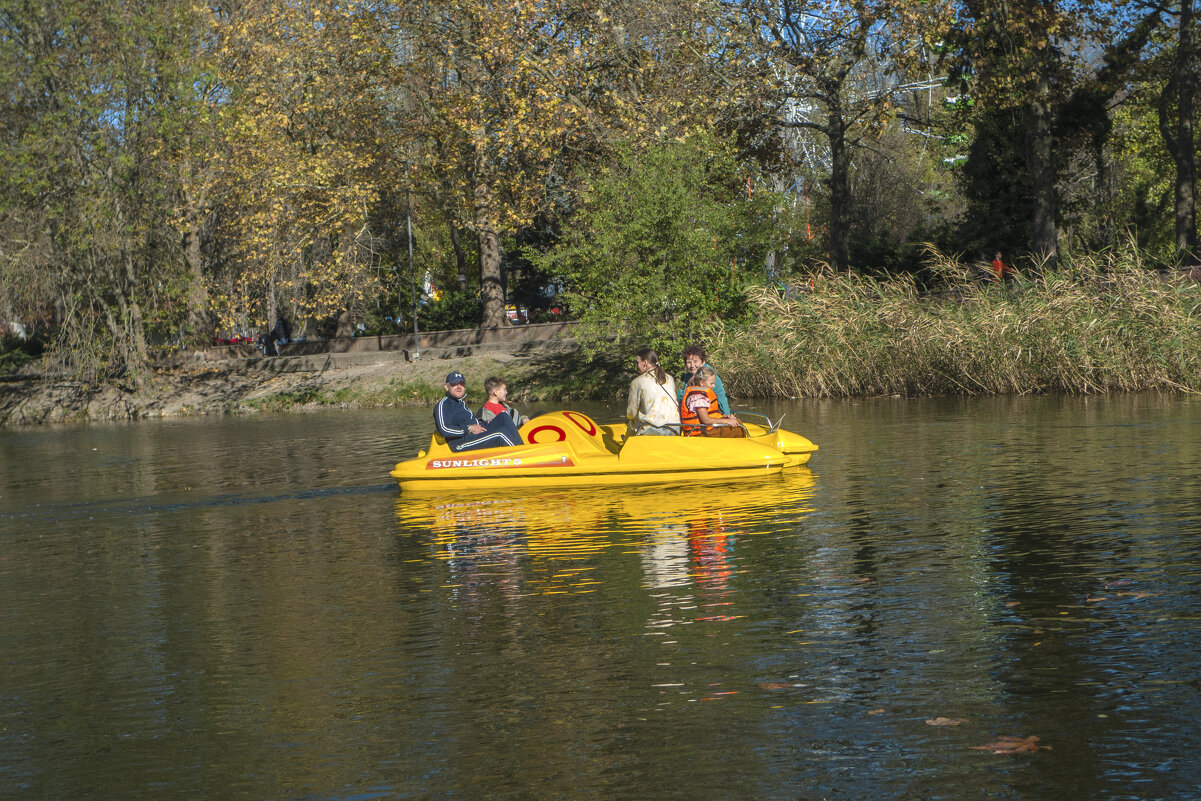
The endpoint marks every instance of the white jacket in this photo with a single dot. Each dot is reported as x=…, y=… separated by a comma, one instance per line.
x=652, y=403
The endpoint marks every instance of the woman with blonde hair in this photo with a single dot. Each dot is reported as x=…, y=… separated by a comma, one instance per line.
x=652, y=406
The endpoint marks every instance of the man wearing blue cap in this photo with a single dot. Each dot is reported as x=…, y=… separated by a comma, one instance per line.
x=462, y=430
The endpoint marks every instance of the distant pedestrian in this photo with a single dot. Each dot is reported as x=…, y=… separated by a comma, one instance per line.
x=282, y=332
x=999, y=269
x=266, y=343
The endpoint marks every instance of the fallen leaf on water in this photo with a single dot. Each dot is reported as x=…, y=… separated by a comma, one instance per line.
x=1118, y=583
x=1014, y=603
x=943, y=721
x=778, y=685
x=1008, y=744
x=1095, y=600
x=876, y=712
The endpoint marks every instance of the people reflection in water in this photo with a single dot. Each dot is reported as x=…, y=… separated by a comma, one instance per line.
x=712, y=554
x=480, y=541
x=693, y=553
x=665, y=558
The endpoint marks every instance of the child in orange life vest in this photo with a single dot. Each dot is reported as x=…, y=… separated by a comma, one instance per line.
x=498, y=391
x=700, y=413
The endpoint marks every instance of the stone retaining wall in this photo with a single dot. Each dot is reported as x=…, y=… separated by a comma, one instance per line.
x=458, y=341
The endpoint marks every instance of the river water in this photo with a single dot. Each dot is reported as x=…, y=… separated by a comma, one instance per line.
x=247, y=608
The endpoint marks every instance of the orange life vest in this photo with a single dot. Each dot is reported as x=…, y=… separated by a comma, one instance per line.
x=690, y=421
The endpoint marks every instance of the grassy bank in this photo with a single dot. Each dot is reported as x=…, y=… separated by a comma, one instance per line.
x=1098, y=324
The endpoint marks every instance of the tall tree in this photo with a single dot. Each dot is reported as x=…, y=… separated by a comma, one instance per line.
x=304, y=159
x=499, y=93
x=663, y=244
x=837, y=69
x=95, y=92
x=1177, y=118
x=1021, y=60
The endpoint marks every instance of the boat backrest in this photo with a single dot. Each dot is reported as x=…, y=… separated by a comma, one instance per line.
x=579, y=430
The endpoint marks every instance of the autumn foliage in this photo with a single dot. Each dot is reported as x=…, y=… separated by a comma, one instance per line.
x=175, y=172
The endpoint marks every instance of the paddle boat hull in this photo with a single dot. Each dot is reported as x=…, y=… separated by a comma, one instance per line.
x=569, y=448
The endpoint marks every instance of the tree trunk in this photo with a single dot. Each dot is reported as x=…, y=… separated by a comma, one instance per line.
x=1044, y=232
x=273, y=308
x=201, y=328
x=456, y=241
x=491, y=290
x=840, y=187
x=1176, y=127
x=133, y=311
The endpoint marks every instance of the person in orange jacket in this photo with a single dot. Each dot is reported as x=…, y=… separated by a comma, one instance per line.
x=700, y=413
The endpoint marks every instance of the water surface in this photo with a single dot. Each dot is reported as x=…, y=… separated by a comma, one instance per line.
x=246, y=608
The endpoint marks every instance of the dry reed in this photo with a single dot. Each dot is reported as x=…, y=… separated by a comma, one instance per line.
x=1097, y=324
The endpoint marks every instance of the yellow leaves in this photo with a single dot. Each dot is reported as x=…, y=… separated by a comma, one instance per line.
x=302, y=162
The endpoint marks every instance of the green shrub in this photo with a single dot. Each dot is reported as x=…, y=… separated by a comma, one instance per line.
x=15, y=352
x=458, y=308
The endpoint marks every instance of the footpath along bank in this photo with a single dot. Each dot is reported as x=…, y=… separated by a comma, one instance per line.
x=541, y=360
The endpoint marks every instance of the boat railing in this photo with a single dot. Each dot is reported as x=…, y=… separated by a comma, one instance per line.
x=771, y=427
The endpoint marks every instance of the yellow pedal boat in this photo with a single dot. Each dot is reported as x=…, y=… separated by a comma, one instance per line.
x=569, y=448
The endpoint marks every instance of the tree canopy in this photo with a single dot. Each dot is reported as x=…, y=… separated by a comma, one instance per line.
x=174, y=172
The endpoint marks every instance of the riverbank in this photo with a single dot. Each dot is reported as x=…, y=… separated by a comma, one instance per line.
x=541, y=370
x=1096, y=326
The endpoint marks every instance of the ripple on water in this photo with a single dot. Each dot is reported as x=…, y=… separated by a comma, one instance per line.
x=244, y=609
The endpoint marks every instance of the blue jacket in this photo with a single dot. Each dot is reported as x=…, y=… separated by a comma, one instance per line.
x=452, y=417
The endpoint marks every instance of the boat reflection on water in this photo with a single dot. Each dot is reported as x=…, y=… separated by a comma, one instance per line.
x=689, y=542
x=685, y=534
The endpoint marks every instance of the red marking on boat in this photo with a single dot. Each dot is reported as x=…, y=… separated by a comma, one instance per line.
x=560, y=435
x=589, y=428
x=494, y=463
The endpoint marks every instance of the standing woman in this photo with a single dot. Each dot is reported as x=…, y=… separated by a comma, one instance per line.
x=652, y=408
